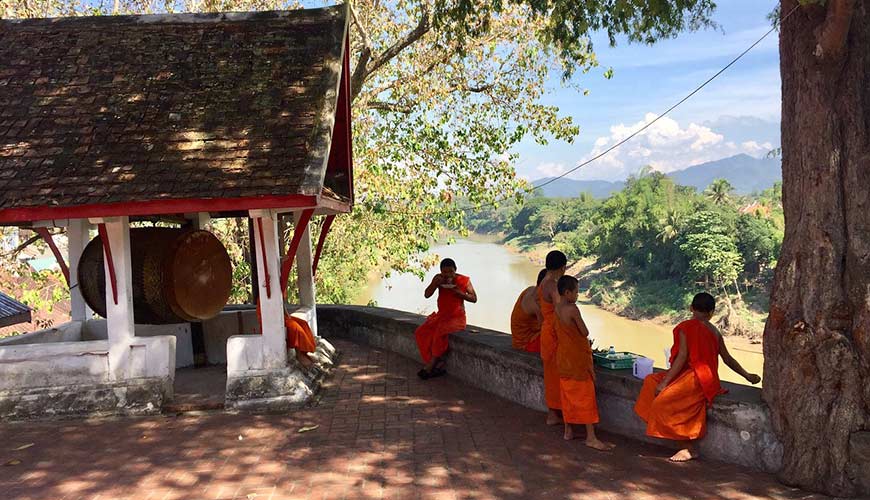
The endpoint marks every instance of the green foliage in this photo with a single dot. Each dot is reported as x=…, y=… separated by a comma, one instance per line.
x=711, y=249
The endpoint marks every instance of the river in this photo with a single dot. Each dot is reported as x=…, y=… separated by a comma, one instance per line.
x=498, y=276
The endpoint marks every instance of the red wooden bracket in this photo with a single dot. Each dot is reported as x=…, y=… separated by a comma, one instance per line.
x=327, y=223
x=107, y=249
x=46, y=235
x=294, y=246
x=264, y=260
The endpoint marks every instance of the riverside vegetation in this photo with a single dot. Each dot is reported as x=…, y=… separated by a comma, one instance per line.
x=646, y=250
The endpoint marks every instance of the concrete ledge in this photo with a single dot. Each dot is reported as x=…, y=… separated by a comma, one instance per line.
x=283, y=389
x=739, y=426
x=131, y=397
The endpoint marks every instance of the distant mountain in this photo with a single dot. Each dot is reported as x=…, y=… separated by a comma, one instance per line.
x=571, y=188
x=745, y=173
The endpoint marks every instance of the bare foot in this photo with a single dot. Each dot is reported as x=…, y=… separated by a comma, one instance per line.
x=553, y=418
x=304, y=360
x=684, y=455
x=569, y=433
x=599, y=445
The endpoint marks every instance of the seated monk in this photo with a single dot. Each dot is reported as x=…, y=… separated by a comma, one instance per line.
x=453, y=290
x=674, y=403
x=526, y=319
x=299, y=337
x=548, y=299
x=576, y=373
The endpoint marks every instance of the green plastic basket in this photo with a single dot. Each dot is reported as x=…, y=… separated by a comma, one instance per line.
x=601, y=360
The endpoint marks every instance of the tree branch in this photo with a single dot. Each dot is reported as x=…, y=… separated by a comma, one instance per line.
x=390, y=106
x=363, y=71
x=832, y=36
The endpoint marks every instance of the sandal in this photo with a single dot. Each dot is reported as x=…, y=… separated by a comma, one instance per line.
x=423, y=374
x=437, y=372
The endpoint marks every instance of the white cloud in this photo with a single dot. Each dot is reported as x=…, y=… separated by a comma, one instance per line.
x=666, y=146
x=549, y=169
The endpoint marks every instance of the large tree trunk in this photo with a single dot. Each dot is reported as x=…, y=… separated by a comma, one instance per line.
x=817, y=338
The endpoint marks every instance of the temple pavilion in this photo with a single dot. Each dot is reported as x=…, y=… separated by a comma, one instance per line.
x=178, y=120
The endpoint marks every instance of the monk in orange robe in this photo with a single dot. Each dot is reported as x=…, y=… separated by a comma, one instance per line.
x=574, y=360
x=453, y=291
x=548, y=298
x=526, y=319
x=299, y=337
x=674, y=403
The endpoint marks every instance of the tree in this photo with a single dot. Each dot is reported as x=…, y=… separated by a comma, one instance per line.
x=711, y=250
x=719, y=192
x=817, y=337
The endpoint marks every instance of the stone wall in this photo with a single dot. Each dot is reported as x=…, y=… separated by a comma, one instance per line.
x=739, y=426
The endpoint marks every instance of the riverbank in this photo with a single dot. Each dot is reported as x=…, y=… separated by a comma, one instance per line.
x=660, y=302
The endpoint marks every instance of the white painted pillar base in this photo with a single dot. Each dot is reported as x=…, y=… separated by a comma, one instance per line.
x=271, y=307
x=78, y=236
x=305, y=274
x=119, y=317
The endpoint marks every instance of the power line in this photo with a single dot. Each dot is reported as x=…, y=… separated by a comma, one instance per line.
x=623, y=141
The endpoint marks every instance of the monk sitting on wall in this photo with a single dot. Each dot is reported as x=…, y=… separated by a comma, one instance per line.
x=453, y=290
x=526, y=319
x=548, y=298
x=299, y=337
x=674, y=403
x=576, y=372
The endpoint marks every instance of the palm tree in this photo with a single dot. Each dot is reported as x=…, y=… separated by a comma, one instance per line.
x=670, y=226
x=719, y=192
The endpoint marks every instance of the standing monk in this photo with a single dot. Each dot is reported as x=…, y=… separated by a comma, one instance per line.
x=548, y=298
x=674, y=403
x=526, y=319
x=576, y=373
x=453, y=290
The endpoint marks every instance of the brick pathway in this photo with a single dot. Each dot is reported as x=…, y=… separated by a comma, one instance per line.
x=382, y=434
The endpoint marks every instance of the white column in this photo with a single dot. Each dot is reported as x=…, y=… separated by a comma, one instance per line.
x=272, y=304
x=200, y=220
x=77, y=238
x=305, y=274
x=119, y=317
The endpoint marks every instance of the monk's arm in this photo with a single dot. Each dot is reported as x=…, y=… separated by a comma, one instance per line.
x=470, y=295
x=678, y=364
x=734, y=364
x=436, y=282
x=578, y=321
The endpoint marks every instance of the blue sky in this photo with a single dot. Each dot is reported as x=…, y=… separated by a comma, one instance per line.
x=737, y=113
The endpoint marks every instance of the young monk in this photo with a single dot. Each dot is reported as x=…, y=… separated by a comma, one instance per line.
x=548, y=298
x=453, y=291
x=674, y=403
x=526, y=319
x=299, y=337
x=576, y=373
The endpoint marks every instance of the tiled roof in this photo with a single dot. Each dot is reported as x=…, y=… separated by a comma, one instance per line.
x=132, y=109
x=12, y=312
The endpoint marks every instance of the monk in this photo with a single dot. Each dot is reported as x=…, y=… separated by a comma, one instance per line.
x=574, y=360
x=674, y=403
x=453, y=291
x=548, y=298
x=526, y=319
x=299, y=337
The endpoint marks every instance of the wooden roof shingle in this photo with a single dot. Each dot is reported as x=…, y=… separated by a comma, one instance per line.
x=146, y=111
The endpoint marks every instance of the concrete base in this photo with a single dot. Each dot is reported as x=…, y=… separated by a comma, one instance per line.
x=739, y=426
x=282, y=389
x=135, y=397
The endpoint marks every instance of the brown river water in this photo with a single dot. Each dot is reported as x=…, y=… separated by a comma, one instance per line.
x=499, y=275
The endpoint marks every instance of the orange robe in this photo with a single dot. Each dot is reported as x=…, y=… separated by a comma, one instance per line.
x=299, y=335
x=525, y=330
x=679, y=412
x=576, y=375
x=450, y=318
x=548, y=353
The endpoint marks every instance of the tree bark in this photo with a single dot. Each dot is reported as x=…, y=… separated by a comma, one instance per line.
x=817, y=337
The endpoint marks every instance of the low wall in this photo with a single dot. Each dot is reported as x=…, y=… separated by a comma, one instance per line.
x=96, y=329
x=739, y=426
x=66, y=332
x=50, y=377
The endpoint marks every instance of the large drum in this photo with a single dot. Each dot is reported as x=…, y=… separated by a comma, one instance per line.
x=179, y=275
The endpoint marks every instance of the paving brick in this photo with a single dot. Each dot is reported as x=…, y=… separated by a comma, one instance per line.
x=439, y=440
